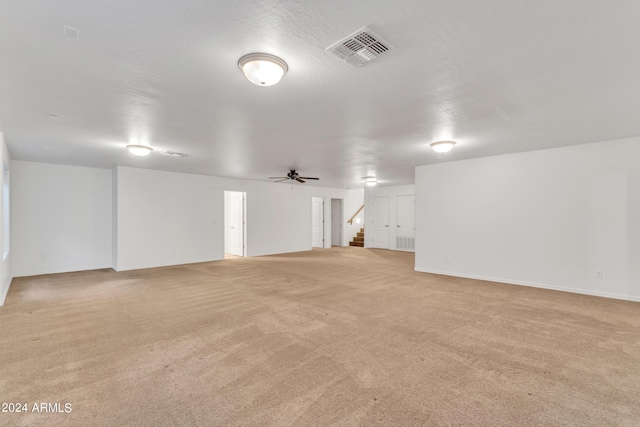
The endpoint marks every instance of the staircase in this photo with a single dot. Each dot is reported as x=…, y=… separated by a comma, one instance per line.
x=359, y=239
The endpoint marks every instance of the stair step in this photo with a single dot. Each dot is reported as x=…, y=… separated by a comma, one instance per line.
x=359, y=239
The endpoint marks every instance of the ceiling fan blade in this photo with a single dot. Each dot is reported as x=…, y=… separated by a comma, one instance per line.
x=278, y=177
x=280, y=180
x=306, y=177
x=300, y=180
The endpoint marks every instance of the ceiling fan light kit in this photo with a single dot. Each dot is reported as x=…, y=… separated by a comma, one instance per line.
x=442, y=146
x=293, y=176
x=263, y=69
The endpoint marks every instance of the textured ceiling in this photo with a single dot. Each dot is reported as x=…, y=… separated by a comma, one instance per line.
x=496, y=76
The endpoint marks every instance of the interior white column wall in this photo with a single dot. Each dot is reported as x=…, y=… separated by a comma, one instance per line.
x=114, y=215
x=549, y=218
x=392, y=192
x=61, y=218
x=167, y=218
x=227, y=222
x=336, y=212
x=6, y=274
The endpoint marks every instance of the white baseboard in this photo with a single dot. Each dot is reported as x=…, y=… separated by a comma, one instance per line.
x=283, y=253
x=534, y=285
x=60, y=270
x=146, y=266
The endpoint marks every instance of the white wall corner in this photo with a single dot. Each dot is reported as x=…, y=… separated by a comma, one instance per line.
x=114, y=218
x=6, y=270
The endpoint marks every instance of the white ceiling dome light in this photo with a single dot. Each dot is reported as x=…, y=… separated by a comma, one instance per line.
x=263, y=69
x=370, y=181
x=139, y=150
x=442, y=146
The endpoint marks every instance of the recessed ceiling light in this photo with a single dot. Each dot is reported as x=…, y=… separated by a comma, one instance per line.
x=442, y=146
x=263, y=69
x=139, y=150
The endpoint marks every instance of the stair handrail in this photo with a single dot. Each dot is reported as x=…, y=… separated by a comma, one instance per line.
x=355, y=215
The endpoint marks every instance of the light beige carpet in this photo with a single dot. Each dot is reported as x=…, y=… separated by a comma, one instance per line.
x=342, y=336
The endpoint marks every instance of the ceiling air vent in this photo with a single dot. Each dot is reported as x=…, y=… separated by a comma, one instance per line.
x=70, y=32
x=360, y=47
x=173, y=154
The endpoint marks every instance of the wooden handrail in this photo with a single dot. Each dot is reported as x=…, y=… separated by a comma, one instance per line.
x=355, y=215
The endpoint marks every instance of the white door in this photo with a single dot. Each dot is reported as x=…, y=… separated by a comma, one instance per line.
x=406, y=215
x=380, y=222
x=317, y=222
x=405, y=223
x=336, y=222
x=236, y=223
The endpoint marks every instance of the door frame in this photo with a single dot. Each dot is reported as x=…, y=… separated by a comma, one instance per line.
x=340, y=219
x=373, y=224
x=322, y=222
x=244, y=221
x=399, y=230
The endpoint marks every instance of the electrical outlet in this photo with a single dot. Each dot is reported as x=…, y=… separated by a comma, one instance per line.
x=598, y=274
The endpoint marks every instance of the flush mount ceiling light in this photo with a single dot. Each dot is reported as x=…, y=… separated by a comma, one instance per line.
x=263, y=69
x=370, y=181
x=139, y=150
x=442, y=146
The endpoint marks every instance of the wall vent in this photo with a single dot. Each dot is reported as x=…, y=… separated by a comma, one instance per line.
x=173, y=154
x=360, y=48
x=406, y=243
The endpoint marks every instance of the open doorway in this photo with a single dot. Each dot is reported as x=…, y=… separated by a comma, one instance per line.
x=336, y=222
x=235, y=203
x=317, y=222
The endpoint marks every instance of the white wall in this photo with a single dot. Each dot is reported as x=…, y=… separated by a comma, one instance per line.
x=392, y=193
x=60, y=218
x=167, y=218
x=72, y=218
x=5, y=265
x=547, y=218
x=279, y=214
